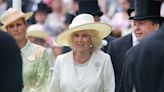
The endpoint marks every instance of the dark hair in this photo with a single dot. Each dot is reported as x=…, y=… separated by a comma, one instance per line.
x=156, y=21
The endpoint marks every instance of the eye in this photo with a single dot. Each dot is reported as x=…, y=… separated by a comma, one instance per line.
x=76, y=35
x=134, y=24
x=19, y=24
x=85, y=35
x=141, y=23
x=10, y=26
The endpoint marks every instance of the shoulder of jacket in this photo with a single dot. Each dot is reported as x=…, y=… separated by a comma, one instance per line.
x=38, y=50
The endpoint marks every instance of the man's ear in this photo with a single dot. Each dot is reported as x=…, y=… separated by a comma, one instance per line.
x=156, y=26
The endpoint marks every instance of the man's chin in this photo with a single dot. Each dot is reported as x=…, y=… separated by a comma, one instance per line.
x=139, y=38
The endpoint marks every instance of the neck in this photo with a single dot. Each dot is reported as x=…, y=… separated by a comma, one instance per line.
x=81, y=57
x=22, y=43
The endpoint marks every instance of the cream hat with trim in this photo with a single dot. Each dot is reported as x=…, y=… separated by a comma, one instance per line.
x=12, y=15
x=38, y=31
x=83, y=22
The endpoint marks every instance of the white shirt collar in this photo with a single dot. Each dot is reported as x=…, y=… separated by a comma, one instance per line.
x=134, y=39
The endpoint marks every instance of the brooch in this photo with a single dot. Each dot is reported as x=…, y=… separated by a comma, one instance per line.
x=97, y=65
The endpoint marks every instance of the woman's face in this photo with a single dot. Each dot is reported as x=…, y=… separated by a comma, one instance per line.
x=17, y=29
x=81, y=41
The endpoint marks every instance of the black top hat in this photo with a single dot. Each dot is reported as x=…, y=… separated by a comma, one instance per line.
x=131, y=7
x=90, y=7
x=68, y=18
x=43, y=8
x=147, y=9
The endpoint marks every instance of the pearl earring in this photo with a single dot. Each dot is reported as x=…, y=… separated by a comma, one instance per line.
x=91, y=46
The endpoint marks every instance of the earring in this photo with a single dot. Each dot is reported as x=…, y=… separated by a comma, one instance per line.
x=91, y=46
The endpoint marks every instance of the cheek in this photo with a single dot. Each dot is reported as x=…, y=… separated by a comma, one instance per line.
x=88, y=42
x=10, y=32
x=23, y=29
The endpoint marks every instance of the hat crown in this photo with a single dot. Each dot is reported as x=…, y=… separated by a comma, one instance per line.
x=69, y=17
x=12, y=15
x=81, y=20
x=35, y=27
x=147, y=9
x=90, y=7
x=7, y=15
x=37, y=30
x=43, y=7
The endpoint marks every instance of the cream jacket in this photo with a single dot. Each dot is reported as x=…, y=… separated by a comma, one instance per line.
x=99, y=75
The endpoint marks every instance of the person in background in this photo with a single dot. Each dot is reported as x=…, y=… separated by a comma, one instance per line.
x=37, y=34
x=68, y=19
x=147, y=20
x=3, y=6
x=74, y=7
x=118, y=48
x=41, y=13
x=120, y=21
x=11, y=65
x=70, y=14
x=54, y=21
x=54, y=24
x=86, y=68
x=36, y=69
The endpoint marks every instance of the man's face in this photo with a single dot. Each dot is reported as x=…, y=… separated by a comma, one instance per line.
x=17, y=29
x=40, y=16
x=143, y=28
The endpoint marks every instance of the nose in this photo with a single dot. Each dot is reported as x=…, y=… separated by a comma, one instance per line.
x=15, y=28
x=136, y=28
x=79, y=38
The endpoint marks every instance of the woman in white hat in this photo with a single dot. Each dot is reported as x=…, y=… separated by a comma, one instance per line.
x=86, y=68
x=36, y=70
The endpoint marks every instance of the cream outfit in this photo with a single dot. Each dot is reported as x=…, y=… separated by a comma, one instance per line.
x=96, y=75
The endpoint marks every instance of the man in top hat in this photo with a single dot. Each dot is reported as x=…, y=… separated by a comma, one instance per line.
x=148, y=70
x=118, y=48
x=11, y=64
x=36, y=70
x=146, y=21
x=92, y=7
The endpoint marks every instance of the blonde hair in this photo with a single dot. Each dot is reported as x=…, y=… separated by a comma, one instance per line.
x=95, y=38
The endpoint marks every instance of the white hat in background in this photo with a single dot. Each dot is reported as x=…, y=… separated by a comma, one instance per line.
x=37, y=30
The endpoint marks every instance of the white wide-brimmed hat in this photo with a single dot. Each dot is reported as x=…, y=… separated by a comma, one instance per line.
x=38, y=31
x=83, y=22
x=12, y=15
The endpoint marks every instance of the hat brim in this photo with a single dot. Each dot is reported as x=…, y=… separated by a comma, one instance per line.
x=131, y=18
x=26, y=16
x=38, y=34
x=99, y=13
x=129, y=11
x=147, y=17
x=102, y=28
